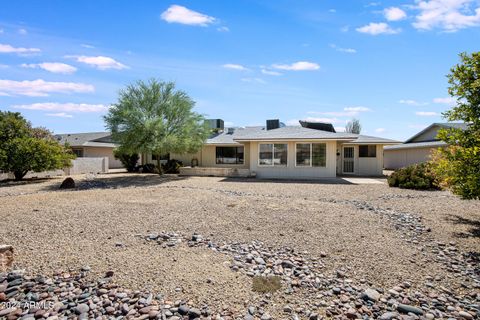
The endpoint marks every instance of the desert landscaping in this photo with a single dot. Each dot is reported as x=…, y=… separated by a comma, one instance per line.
x=170, y=247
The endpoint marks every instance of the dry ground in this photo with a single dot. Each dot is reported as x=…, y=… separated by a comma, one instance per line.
x=60, y=230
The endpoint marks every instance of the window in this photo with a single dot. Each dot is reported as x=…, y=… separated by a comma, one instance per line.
x=368, y=151
x=319, y=155
x=78, y=152
x=303, y=154
x=311, y=155
x=229, y=155
x=271, y=154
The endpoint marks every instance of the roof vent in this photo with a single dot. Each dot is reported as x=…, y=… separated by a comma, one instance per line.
x=216, y=125
x=273, y=124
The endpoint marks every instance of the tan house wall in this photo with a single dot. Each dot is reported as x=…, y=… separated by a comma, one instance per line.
x=291, y=171
x=100, y=152
x=207, y=157
x=395, y=159
x=362, y=166
x=429, y=135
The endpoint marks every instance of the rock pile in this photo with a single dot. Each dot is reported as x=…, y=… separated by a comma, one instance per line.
x=336, y=294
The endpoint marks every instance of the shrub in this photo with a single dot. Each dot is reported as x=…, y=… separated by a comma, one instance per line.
x=266, y=284
x=129, y=161
x=147, y=168
x=172, y=166
x=417, y=176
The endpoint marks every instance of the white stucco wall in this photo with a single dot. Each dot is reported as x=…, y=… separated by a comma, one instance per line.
x=395, y=159
x=88, y=165
x=291, y=171
x=100, y=152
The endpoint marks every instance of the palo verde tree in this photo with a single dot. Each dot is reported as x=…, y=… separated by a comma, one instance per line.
x=353, y=126
x=458, y=165
x=153, y=117
x=23, y=148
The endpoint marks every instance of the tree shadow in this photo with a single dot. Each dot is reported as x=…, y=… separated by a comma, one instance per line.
x=474, y=230
x=288, y=181
x=114, y=181
x=13, y=182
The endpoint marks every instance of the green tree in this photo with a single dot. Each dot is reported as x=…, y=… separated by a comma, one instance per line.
x=153, y=117
x=353, y=126
x=458, y=165
x=23, y=148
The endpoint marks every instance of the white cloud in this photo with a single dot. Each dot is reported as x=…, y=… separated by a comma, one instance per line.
x=60, y=115
x=446, y=100
x=3, y=66
x=54, y=67
x=426, y=113
x=297, y=66
x=6, y=48
x=254, y=80
x=223, y=29
x=339, y=129
x=345, y=28
x=332, y=10
x=22, y=31
x=63, y=107
x=345, y=50
x=449, y=15
x=347, y=112
x=394, y=14
x=1, y=31
x=41, y=88
x=357, y=109
x=88, y=46
x=374, y=29
x=412, y=102
x=271, y=72
x=234, y=66
x=380, y=130
x=180, y=14
x=100, y=62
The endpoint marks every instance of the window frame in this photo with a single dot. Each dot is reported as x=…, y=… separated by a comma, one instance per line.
x=236, y=157
x=273, y=155
x=311, y=155
x=374, y=146
x=78, y=152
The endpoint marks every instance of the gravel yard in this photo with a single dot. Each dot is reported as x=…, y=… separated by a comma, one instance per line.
x=365, y=236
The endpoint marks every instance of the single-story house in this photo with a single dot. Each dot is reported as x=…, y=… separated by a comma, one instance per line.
x=311, y=150
x=91, y=145
x=418, y=148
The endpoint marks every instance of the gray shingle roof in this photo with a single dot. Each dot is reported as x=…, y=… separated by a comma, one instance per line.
x=93, y=139
x=228, y=138
x=453, y=125
x=301, y=133
x=415, y=145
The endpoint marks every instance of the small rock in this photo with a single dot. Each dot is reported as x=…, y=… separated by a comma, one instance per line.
x=405, y=308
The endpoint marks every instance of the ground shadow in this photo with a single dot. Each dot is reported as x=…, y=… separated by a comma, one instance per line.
x=288, y=181
x=474, y=230
x=114, y=181
x=12, y=182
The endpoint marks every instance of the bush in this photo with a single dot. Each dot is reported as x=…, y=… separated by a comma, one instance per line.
x=172, y=166
x=417, y=176
x=147, y=168
x=129, y=161
x=266, y=284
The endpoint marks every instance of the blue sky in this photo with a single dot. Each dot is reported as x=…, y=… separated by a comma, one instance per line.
x=384, y=62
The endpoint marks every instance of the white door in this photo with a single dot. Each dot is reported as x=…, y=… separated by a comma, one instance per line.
x=348, y=159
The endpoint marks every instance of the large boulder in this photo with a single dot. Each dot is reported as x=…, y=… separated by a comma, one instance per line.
x=68, y=183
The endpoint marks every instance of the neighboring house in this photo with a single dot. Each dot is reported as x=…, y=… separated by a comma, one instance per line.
x=312, y=150
x=418, y=148
x=91, y=145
